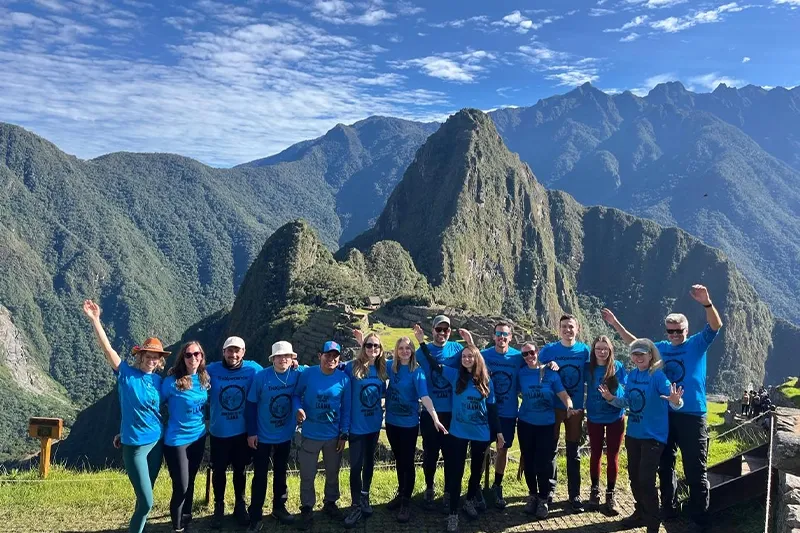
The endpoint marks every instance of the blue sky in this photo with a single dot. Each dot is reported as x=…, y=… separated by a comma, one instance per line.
x=228, y=82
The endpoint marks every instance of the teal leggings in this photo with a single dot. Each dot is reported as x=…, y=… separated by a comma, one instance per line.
x=142, y=464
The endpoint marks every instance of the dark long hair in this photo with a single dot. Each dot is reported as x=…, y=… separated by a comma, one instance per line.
x=183, y=380
x=478, y=374
x=610, y=379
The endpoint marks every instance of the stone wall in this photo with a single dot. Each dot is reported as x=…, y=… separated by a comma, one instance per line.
x=786, y=468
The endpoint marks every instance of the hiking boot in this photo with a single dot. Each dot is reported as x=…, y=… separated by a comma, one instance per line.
x=306, y=519
x=594, y=498
x=499, y=501
x=542, y=510
x=353, y=516
x=531, y=505
x=576, y=505
x=394, y=503
x=452, y=523
x=429, y=499
x=611, y=506
x=366, y=508
x=446, y=502
x=479, y=501
x=332, y=511
x=281, y=514
x=219, y=514
x=469, y=509
x=240, y=513
x=255, y=527
x=405, y=511
x=634, y=520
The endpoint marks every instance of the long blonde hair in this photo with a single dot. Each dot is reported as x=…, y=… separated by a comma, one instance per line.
x=361, y=362
x=183, y=380
x=412, y=362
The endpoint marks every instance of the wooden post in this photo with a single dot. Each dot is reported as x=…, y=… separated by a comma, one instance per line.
x=46, y=430
x=44, y=456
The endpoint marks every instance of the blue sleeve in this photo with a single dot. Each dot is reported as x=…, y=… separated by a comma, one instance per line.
x=544, y=354
x=420, y=383
x=344, y=422
x=662, y=383
x=622, y=374
x=557, y=385
x=450, y=374
x=255, y=387
x=299, y=390
x=122, y=370
x=251, y=418
x=704, y=338
x=490, y=399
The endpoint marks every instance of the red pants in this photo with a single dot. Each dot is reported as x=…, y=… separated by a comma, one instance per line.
x=613, y=438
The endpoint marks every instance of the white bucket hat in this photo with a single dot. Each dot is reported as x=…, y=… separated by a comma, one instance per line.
x=282, y=348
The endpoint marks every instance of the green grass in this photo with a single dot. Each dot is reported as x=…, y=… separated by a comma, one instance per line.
x=791, y=391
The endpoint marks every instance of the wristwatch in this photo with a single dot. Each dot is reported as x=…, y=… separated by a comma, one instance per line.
x=344, y=436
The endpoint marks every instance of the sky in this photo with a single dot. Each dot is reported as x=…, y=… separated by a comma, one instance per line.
x=229, y=82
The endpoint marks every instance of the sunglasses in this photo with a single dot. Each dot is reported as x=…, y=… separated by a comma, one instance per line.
x=502, y=333
x=189, y=355
x=674, y=331
x=443, y=329
x=371, y=345
x=529, y=352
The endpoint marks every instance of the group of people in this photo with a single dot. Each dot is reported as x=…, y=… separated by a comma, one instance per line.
x=754, y=403
x=470, y=398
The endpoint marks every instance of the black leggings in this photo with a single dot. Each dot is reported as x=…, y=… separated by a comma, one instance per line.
x=456, y=458
x=404, y=446
x=183, y=462
x=229, y=451
x=539, y=455
x=432, y=442
x=362, y=463
x=280, y=458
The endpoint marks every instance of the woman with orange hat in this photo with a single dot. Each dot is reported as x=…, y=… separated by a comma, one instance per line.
x=141, y=428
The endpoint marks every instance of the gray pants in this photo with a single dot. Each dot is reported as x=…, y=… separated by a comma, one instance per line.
x=307, y=456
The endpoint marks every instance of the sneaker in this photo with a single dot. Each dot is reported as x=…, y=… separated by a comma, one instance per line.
x=405, y=511
x=634, y=520
x=240, y=513
x=576, y=505
x=469, y=509
x=366, y=508
x=452, y=523
x=531, y=505
x=306, y=519
x=219, y=514
x=428, y=499
x=611, y=506
x=594, y=498
x=255, y=527
x=353, y=516
x=333, y=511
x=480, y=501
x=499, y=501
x=446, y=502
x=395, y=503
x=282, y=515
x=542, y=510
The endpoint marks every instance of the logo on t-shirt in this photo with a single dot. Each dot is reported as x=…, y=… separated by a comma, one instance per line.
x=280, y=406
x=636, y=401
x=471, y=412
x=570, y=376
x=370, y=395
x=675, y=370
x=502, y=382
x=439, y=381
x=231, y=398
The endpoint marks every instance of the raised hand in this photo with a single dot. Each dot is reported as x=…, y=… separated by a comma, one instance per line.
x=419, y=334
x=675, y=394
x=253, y=442
x=466, y=335
x=301, y=416
x=359, y=336
x=91, y=310
x=608, y=315
x=700, y=294
x=605, y=393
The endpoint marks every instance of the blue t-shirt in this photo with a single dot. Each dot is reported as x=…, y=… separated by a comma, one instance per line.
x=470, y=415
x=503, y=369
x=273, y=394
x=439, y=388
x=185, y=408
x=228, y=396
x=685, y=365
x=403, y=395
x=598, y=410
x=367, y=393
x=571, y=362
x=139, y=402
x=648, y=416
x=326, y=402
x=539, y=395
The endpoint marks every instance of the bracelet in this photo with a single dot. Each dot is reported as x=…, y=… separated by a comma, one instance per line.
x=707, y=306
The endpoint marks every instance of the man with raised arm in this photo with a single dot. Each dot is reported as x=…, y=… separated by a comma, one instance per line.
x=503, y=363
x=685, y=365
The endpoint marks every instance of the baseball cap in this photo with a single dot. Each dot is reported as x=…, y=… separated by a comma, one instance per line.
x=640, y=346
x=439, y=319
x=331, y=346
x=233, y=341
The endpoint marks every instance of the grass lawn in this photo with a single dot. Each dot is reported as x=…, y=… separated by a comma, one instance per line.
x=791, y=391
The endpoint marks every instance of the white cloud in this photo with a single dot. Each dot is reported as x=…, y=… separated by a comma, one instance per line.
x=711, y=80
x=407, y=8
x=461, y=67
x=652, y=81
x=787, y=2
x=629, y=38
x=459, y=23
x=332, y=8
x=560, y=67
x=600, y=12
x=656, y=4
x=523, y=24
x=675, y=24
x=52, y=5
x=745, y=59
x=637, y=21
x=341, y=12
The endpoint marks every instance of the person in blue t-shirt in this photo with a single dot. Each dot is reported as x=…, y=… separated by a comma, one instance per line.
x=503, y=363
x=367, y=373
x=648, y=392
x=407, y=387
x=141, y=427
x=685, y=359
x=230, y=382
x=446, y=353
x=542, y=393
x=605, y=423
x=474, y=423
x=270, y=428
x=185, y=392
x=322, y=403
x=569, y=357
